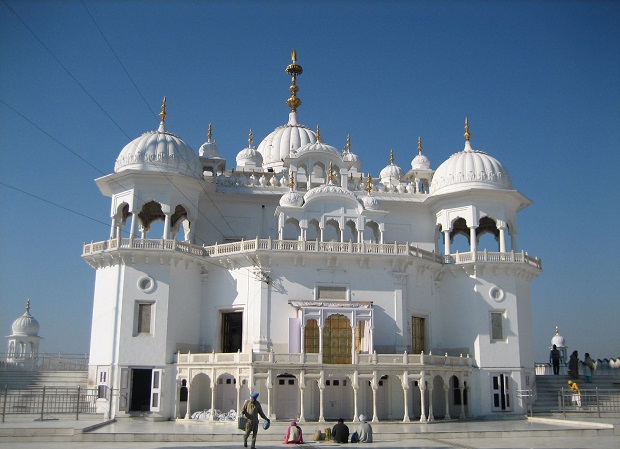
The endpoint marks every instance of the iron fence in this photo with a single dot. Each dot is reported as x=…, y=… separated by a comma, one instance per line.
x=43, y=362
x=591, y=400
x=48, y=401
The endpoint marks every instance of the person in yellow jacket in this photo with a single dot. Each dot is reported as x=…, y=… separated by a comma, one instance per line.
x=251, y=410
x=576, y=399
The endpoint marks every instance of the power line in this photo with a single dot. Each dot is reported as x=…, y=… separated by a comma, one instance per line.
x=64, y=67
x=118, y=59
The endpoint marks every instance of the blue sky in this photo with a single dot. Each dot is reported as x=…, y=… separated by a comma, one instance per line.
x=539, y=81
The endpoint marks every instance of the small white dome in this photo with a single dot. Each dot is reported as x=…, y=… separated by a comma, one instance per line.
x=391, y=174
x=209, y=148
x=370, y=202
x=159, y=151
x=557, y=339
x=284, y=139
x=420, y=162
x=292, y=198
x=470, y=169
x=350, y=159
x=249, y=157
x=26, y=324
x=317, y=147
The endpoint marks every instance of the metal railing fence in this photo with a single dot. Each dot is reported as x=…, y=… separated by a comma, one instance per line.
x=48, y=401
x=591, y=400
x=44, y=362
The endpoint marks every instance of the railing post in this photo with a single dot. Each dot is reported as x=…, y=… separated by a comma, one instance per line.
x=598, y=405
x=42, y=403
x=77, y=409
x=6, y=393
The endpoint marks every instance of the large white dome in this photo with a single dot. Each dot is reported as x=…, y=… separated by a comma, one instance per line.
x=470, y=169
x=284, y=139
x=159, y=151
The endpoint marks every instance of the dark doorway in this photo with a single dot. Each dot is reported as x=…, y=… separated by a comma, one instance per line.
x=141, y=390
x=232, y=331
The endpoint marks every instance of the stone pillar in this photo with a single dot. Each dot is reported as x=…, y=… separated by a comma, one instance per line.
x=166, y=235
x=321, y=383
x=502, y=238
x=189, y=398
x=302, y=387
x=446, y=392
x=446, y=242
x=405, y=385
x=400, y=283
x=375, y=385
x=422, y=387
x=431, y=417
x=472, y=241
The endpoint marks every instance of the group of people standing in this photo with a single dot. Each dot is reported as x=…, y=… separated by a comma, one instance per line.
x=555, y=357
x=294, y=435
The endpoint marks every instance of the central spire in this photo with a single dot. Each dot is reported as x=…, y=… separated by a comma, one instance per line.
x=294, y=70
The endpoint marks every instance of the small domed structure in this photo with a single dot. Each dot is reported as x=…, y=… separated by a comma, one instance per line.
x=249, y=157
x=159, y=151
x=351, y=160
x=391, y=174
x=209, y=148
x=470, y=169
x=23, y=348
x=292, y=197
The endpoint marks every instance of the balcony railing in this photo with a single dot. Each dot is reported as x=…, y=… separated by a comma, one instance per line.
x=307, y=246
x=316, y=360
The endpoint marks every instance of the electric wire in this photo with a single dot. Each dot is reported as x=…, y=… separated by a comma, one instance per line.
x=64, y=67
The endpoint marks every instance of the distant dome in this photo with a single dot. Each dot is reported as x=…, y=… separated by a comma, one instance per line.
x=391, y=174
x=318, y=147
x=350, y=159
x=329, y=190
x=26, y=324
x=159, y=151
x=470, y=169
x=557, y=339
x=279, y=143
x=292, y=198
x=370, y=202
x=209, y=148
x=420, y=162
x=249, y=157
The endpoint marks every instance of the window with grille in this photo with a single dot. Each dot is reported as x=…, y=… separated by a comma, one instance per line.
x=337, y=340
x=311, y=343
x=417, y=334
x=497, y=326
x=331, y=293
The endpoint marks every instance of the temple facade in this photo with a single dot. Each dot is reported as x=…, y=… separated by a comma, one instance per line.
x=294, y=274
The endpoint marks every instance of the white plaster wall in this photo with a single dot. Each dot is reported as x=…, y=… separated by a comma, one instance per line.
x=105, y=315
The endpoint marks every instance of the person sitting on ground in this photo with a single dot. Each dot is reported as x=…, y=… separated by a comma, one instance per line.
x=340, y=432
x=363, y=431
x=294, y=434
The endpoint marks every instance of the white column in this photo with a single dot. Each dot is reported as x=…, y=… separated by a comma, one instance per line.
x=113, y=228
x=446, y=242
x=446, y=392
x=405, y=385
x=302, y=387
x=461, y=391
x=472, y=240
x=321, y=341
x=269, y=385
x=502, y=239
x=400, y=307
x=132, y=228
x=431, y=417
x=321, y=384
x=166, y=235
x=375, y=385
x=353, y=341
x=213, y=387
x=422, y=387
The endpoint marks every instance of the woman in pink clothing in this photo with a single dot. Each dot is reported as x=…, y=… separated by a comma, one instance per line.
x=293, y=434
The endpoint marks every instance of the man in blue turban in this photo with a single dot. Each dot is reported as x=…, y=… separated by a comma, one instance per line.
x=251, y=410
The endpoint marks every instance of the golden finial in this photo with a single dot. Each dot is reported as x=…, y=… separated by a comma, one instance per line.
x=348, y=143
x=318, y=133
x=28, y=305
x=163, y=114
x=209, y=133
x=331, y=173
x=250, y=139
x=557, y=330
x=369, y=184
x=392, y=157
x=294, y=70
x=291, y=183
x=420, y=145
x=467, y=134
